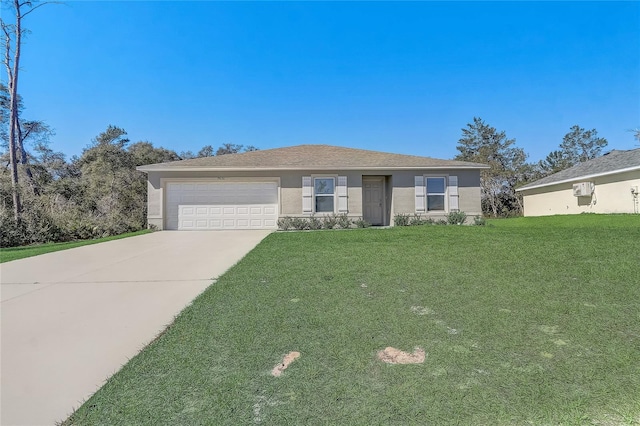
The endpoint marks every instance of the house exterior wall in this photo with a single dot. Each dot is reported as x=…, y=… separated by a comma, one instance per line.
x=468, y=188
x=612, y=194
x=399, y=189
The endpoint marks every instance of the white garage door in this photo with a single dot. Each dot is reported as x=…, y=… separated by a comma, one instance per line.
x=221, y=205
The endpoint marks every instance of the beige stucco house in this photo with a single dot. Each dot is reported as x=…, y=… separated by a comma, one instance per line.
x=607, y=184
x=252, y=190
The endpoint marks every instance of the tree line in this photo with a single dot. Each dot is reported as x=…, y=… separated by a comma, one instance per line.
x=95, y=194
x=100, y=192
x=508, y=166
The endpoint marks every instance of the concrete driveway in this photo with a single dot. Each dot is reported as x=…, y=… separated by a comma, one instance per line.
x=71, y=319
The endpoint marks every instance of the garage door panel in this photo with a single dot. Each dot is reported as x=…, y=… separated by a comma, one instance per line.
x=228, y=217
x=221, y=205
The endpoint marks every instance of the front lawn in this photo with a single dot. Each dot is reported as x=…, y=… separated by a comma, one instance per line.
x=526, y=321
x=15, y=253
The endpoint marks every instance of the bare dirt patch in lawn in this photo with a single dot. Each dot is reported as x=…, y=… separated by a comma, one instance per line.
x=421, y=310
x=396, y=356
x=288, y=359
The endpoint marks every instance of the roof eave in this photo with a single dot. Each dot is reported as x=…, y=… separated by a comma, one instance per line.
x=246, y=169
x=580, y=178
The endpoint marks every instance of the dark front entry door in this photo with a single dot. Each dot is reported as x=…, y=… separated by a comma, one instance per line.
x=373, y=200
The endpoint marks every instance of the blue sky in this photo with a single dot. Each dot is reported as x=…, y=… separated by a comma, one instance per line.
x=390, y=76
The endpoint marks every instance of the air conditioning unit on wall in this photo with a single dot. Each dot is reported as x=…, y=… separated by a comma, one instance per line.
x=583, y=189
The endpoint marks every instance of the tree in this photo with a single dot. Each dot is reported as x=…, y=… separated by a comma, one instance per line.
x=229, y=148
x=186, y=155
x=29, y=132
x=206, y=151
x=484, y=144
x=12, y=38
x=579, y=145
x=636, y=134
x=145, y=153
x=553, y=163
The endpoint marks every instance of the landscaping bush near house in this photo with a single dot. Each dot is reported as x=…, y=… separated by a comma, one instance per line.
x=329, y=222
x=456, y=218
x=453, y=218
x=361, y=223
x=334, y=221
x=285, y=223
x=315, y=223
x=416, y=220
x=402, y=219
x=300, y=223
x=343, y=221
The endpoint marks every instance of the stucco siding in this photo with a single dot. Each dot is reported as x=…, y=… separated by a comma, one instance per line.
x=468, y=190
x=612, y=194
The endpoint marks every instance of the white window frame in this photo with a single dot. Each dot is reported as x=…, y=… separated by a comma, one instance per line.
x=334, y=195
x=445, y=194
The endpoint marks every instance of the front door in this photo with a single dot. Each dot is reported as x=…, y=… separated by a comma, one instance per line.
x=373, y=200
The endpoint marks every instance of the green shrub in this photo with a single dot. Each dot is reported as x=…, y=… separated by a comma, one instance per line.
x=343, y=221
x=329, y=222
x=456, y=218
x=300, y=223
x=285, y=223
x=315, y=223
x=415, y=220
x=401, y=219
x=11, y=233
x=361, y=223
x=479, y=221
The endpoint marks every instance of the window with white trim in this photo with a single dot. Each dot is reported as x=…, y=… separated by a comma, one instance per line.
x=436, y=193
x=324, y=194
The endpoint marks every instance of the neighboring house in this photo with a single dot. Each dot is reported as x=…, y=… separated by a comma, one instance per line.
x=252, y=190
x=607, y=184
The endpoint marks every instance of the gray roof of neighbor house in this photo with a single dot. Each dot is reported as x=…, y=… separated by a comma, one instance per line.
x=310, y=157
x=610, y=163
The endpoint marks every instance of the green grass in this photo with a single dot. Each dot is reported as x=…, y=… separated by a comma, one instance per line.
x=15, y=253
x=525, y=321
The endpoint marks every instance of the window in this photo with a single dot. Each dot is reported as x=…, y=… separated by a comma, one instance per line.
x=436, y=187
x=324, y=190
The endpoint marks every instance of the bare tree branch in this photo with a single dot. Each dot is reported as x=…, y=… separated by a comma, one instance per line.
x=38, y=6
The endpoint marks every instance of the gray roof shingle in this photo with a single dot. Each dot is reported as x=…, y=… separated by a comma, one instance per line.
x=607, y=164
x=310, y=157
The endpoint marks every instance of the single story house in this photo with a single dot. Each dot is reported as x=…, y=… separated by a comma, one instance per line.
x=607, y=184
x=252, y=190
